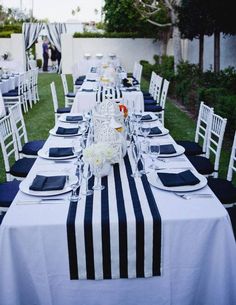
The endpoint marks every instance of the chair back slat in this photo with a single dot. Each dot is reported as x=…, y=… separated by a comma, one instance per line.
x=203, y=124
x=164, y=92
x=232, y=161
x=54, y=96
x=215, y=139
x=157, y=88
x=64, y=83
x=137, y=72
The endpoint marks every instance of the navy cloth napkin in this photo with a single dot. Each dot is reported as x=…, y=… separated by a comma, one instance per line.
x=90, y=80
x=146, y=117
x=167, y=149
x=87, y=90
x=155, y=130
x=62, y=130
x=74, y=118
x=60, y=152
x=126, y=83
x=44, y=183
x=179, y=179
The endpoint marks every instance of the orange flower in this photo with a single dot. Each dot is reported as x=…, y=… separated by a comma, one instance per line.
x=124, y=109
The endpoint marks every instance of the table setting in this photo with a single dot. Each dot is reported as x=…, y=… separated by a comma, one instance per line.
x=108, y=209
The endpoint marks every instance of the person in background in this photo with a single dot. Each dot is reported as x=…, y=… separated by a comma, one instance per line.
x=58, y=60
x=53, y=56
x=45, y=55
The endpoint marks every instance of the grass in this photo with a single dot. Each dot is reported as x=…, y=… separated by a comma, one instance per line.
x=40, y=119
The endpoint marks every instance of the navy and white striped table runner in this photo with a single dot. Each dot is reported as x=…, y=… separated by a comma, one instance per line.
x=115, y=233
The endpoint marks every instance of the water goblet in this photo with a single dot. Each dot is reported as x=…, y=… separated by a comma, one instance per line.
x=145, y=130
x=74, y=195
x=77, y=150
x=154, y=152
x=87, y=174
x=136, y=155
x=143, y=155
x=97, y=171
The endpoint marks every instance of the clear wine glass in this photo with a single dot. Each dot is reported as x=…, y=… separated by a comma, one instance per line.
x=154, y=151
x=136, y=155
x=77, y=150
x=143, y=156
x=87, y=174
x=145, y=130
x=74, y=195
x=97, y=171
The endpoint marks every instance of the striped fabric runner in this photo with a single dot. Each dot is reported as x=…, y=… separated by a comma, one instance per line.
x=116, y=233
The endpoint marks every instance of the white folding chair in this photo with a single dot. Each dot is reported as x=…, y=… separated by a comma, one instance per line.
x=35, y=83
x=137, y=72
x=17, y=96
x=26, y=148
x=57, y=111
x=163, y=97
x=20, y=167
x=2, y=106
x=213, y=148
x=223, y=188
x=69, y=96
x=28, y=87
x=198, y=146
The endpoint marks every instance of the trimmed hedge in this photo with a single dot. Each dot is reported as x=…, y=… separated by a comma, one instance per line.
x=6, y=34
x=111, y=35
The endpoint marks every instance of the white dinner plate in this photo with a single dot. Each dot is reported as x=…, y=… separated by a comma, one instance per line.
x=44, y=153
x=62, y=118
x=155, y=181
x=179, y=150
x=26, y=183
x=154, y=117
x=53, y=132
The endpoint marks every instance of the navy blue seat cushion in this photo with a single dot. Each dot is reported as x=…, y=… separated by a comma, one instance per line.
x=191, y=148
x=152, y=108
x=8, y=191
x=232, y=214
x=151, y=101
x=81, y=77
x=202, y=164
x=223, y=189
x=32, y=147
x=21, y=167
x=10, y=93
x=146, y=94
x=70, y=94
x=64, y=110
x=79, y=82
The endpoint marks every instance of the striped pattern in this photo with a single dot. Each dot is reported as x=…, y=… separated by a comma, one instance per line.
x=115, y=233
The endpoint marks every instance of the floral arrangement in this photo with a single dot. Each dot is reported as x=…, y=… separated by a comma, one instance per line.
x=124, y=109
x=98, y=153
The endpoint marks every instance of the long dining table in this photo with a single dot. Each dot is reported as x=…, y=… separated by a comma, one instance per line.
x=198, y=251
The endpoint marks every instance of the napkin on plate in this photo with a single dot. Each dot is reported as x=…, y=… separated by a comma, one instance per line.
x=74, y=118
x=66, y=131
x=167, y=149
x=155, y=130
x=126, y=83
x=60, y=152
x=51, y=183
x=179, y=179
x=87, y=90
x=146, y=117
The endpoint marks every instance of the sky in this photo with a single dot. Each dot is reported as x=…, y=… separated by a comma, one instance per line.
x=59, y=10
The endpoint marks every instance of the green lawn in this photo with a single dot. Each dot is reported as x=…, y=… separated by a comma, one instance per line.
x=40, y=119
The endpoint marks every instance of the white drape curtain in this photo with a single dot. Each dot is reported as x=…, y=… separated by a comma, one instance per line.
x=54, y=30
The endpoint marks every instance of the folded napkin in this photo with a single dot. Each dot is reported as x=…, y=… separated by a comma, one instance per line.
x=90, y=80
x=62, y=130
x=87, y=90
x=131, y=89
x=167, y=149
x=74, y=118
x=44, y=183
x=146, y=117
x=60, y=152
x=180, y=179
x=126, y=83
x=155, y=130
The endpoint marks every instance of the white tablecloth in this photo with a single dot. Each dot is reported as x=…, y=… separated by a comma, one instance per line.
x=198, y=253
x=8, y=84
x=12, y=65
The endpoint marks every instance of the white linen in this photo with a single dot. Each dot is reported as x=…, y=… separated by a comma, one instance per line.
x=198, y=253
x=11, y=65
x=8, y=84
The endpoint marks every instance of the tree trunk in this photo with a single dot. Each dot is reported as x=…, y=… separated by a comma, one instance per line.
x=217, y=52
x=201, y=51
x=177, y=46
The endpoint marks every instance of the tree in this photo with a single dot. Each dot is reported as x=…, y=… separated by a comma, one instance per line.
x=121, y=16
x=150, y=9
x=195, y=22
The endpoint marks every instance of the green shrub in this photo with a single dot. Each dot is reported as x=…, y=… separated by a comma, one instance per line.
x=6, y=34
x=39, y=63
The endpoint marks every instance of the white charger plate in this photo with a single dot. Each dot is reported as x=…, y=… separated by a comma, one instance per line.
x=154, y=117
x=155, y=181
x=62, y=118
x=26, y=183
x=164, y=132
x=53, y=132
x=44, y=153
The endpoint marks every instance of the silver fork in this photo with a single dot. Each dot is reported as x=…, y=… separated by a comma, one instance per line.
x=189, y=196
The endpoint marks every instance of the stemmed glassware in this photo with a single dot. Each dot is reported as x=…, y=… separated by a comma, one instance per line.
x=77, y=150
x=154, y=152
x=136, y=152
x=87, y=174
x=143, y=155
x=145, y=130
x=97, y=171
x=74, y=195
